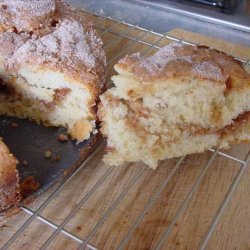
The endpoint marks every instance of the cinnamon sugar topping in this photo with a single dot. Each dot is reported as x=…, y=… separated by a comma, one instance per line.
x=178, y=59
x=23, y=14
x=68, y=44
x=207, y=70
x=10, y=41
x=32, y=7
x=161, y=58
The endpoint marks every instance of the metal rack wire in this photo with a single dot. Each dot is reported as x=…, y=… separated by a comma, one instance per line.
x=86, y=242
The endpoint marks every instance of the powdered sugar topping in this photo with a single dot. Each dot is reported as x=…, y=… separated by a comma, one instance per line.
x=10, y=41
x=30, y=7
x=68, y=43
x=22, y=14
x=177, y=59
x=208, y=70
x=161, y=58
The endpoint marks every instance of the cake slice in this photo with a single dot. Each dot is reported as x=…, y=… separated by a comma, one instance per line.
x=180, y=100
x=52, y=65
x=9, y=184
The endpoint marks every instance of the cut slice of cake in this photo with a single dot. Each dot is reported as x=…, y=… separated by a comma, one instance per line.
x=176, y=102
x=52, y=65
x=9, y=180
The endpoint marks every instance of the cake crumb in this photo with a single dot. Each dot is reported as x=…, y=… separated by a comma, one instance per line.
x=63, y=137
x=56, y=158
x=14, y=125
x=25, y=163
x=47, y=154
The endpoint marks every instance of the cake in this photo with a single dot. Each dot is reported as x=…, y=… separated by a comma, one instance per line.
x=52, y=71
x=9, y=186
x=52, y=65
x=181, y=100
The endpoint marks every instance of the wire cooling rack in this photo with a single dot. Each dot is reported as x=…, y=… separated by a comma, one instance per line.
x=52, y=222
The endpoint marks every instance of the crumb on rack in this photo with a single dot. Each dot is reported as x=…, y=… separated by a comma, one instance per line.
x=14, y=125
x=56, y=158
x=62, y=137
x=65, y=172
x=47, y=154
x=25, y=163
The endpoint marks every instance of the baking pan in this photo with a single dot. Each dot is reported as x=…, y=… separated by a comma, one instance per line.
x=29, y=142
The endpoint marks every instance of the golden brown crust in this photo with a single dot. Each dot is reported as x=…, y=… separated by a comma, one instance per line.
x=9, y=187
x=185, y=61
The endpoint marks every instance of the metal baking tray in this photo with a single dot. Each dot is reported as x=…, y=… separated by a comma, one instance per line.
x=29, y=141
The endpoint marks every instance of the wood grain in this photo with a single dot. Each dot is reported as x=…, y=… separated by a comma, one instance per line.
x=232, y=231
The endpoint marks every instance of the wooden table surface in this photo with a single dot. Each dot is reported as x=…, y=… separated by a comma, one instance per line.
x=196, y=210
